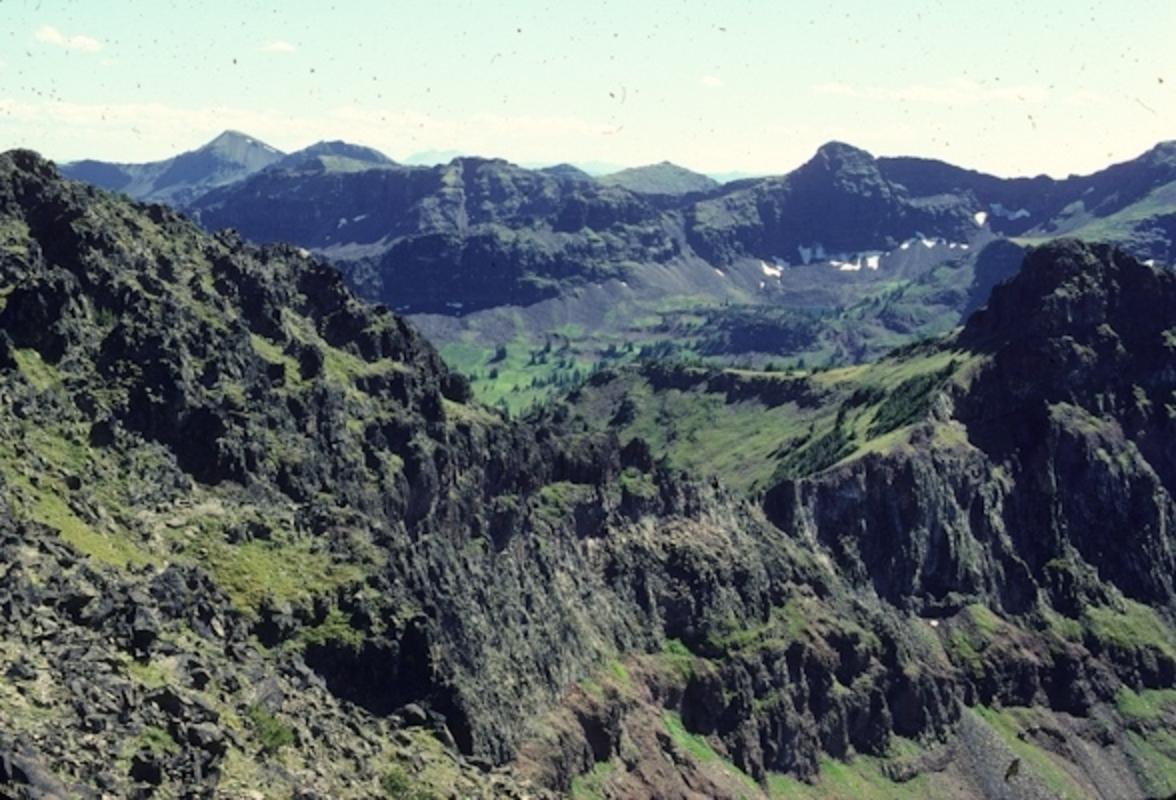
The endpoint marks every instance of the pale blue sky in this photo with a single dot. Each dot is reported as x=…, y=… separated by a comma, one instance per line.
x=1005, y=86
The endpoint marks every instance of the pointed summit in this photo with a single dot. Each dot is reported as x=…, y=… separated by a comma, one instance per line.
x=567, y=171
x=842, y=168
x=239, y=148
x=230, y=156
x=227, y=137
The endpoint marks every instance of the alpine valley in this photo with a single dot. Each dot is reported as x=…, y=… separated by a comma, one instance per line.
x=325, y=476
x=527, y=279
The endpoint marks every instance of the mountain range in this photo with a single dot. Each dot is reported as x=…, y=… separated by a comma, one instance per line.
x=259, y=540
x=836, y=262
x=475, y=234
x=884, y=200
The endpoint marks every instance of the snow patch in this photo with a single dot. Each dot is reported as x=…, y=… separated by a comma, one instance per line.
x=998, y=210
x=981, y=217
x=771, y=272
x=857, y=263
x=360, y=218
x=1151, y=262
x=719, y=272
x=302, y=251
x=928, y=243
x=905, y=246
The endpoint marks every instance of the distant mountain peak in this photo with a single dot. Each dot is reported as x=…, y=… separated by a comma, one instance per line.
x=229, y=156
x=664, y=177
x=240, y=147
x=841, y=152
x=843, y=168
x=841, y=165
x=339, y=147
x=229, y=135
x=838, y=147
x=334, y=155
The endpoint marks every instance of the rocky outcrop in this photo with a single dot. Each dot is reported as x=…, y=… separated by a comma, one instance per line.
x=1068, y=432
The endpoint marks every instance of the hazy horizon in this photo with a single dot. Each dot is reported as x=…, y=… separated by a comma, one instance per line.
x=1000, y=88
x=597, y=168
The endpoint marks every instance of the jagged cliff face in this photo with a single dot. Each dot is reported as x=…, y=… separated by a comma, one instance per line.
x=256, y=538
x=1065, y=462
x=1032, y=475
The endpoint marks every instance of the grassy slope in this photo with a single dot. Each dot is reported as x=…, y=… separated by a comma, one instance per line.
x=1120, y=226
x=747, y=442
x=866, y=324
